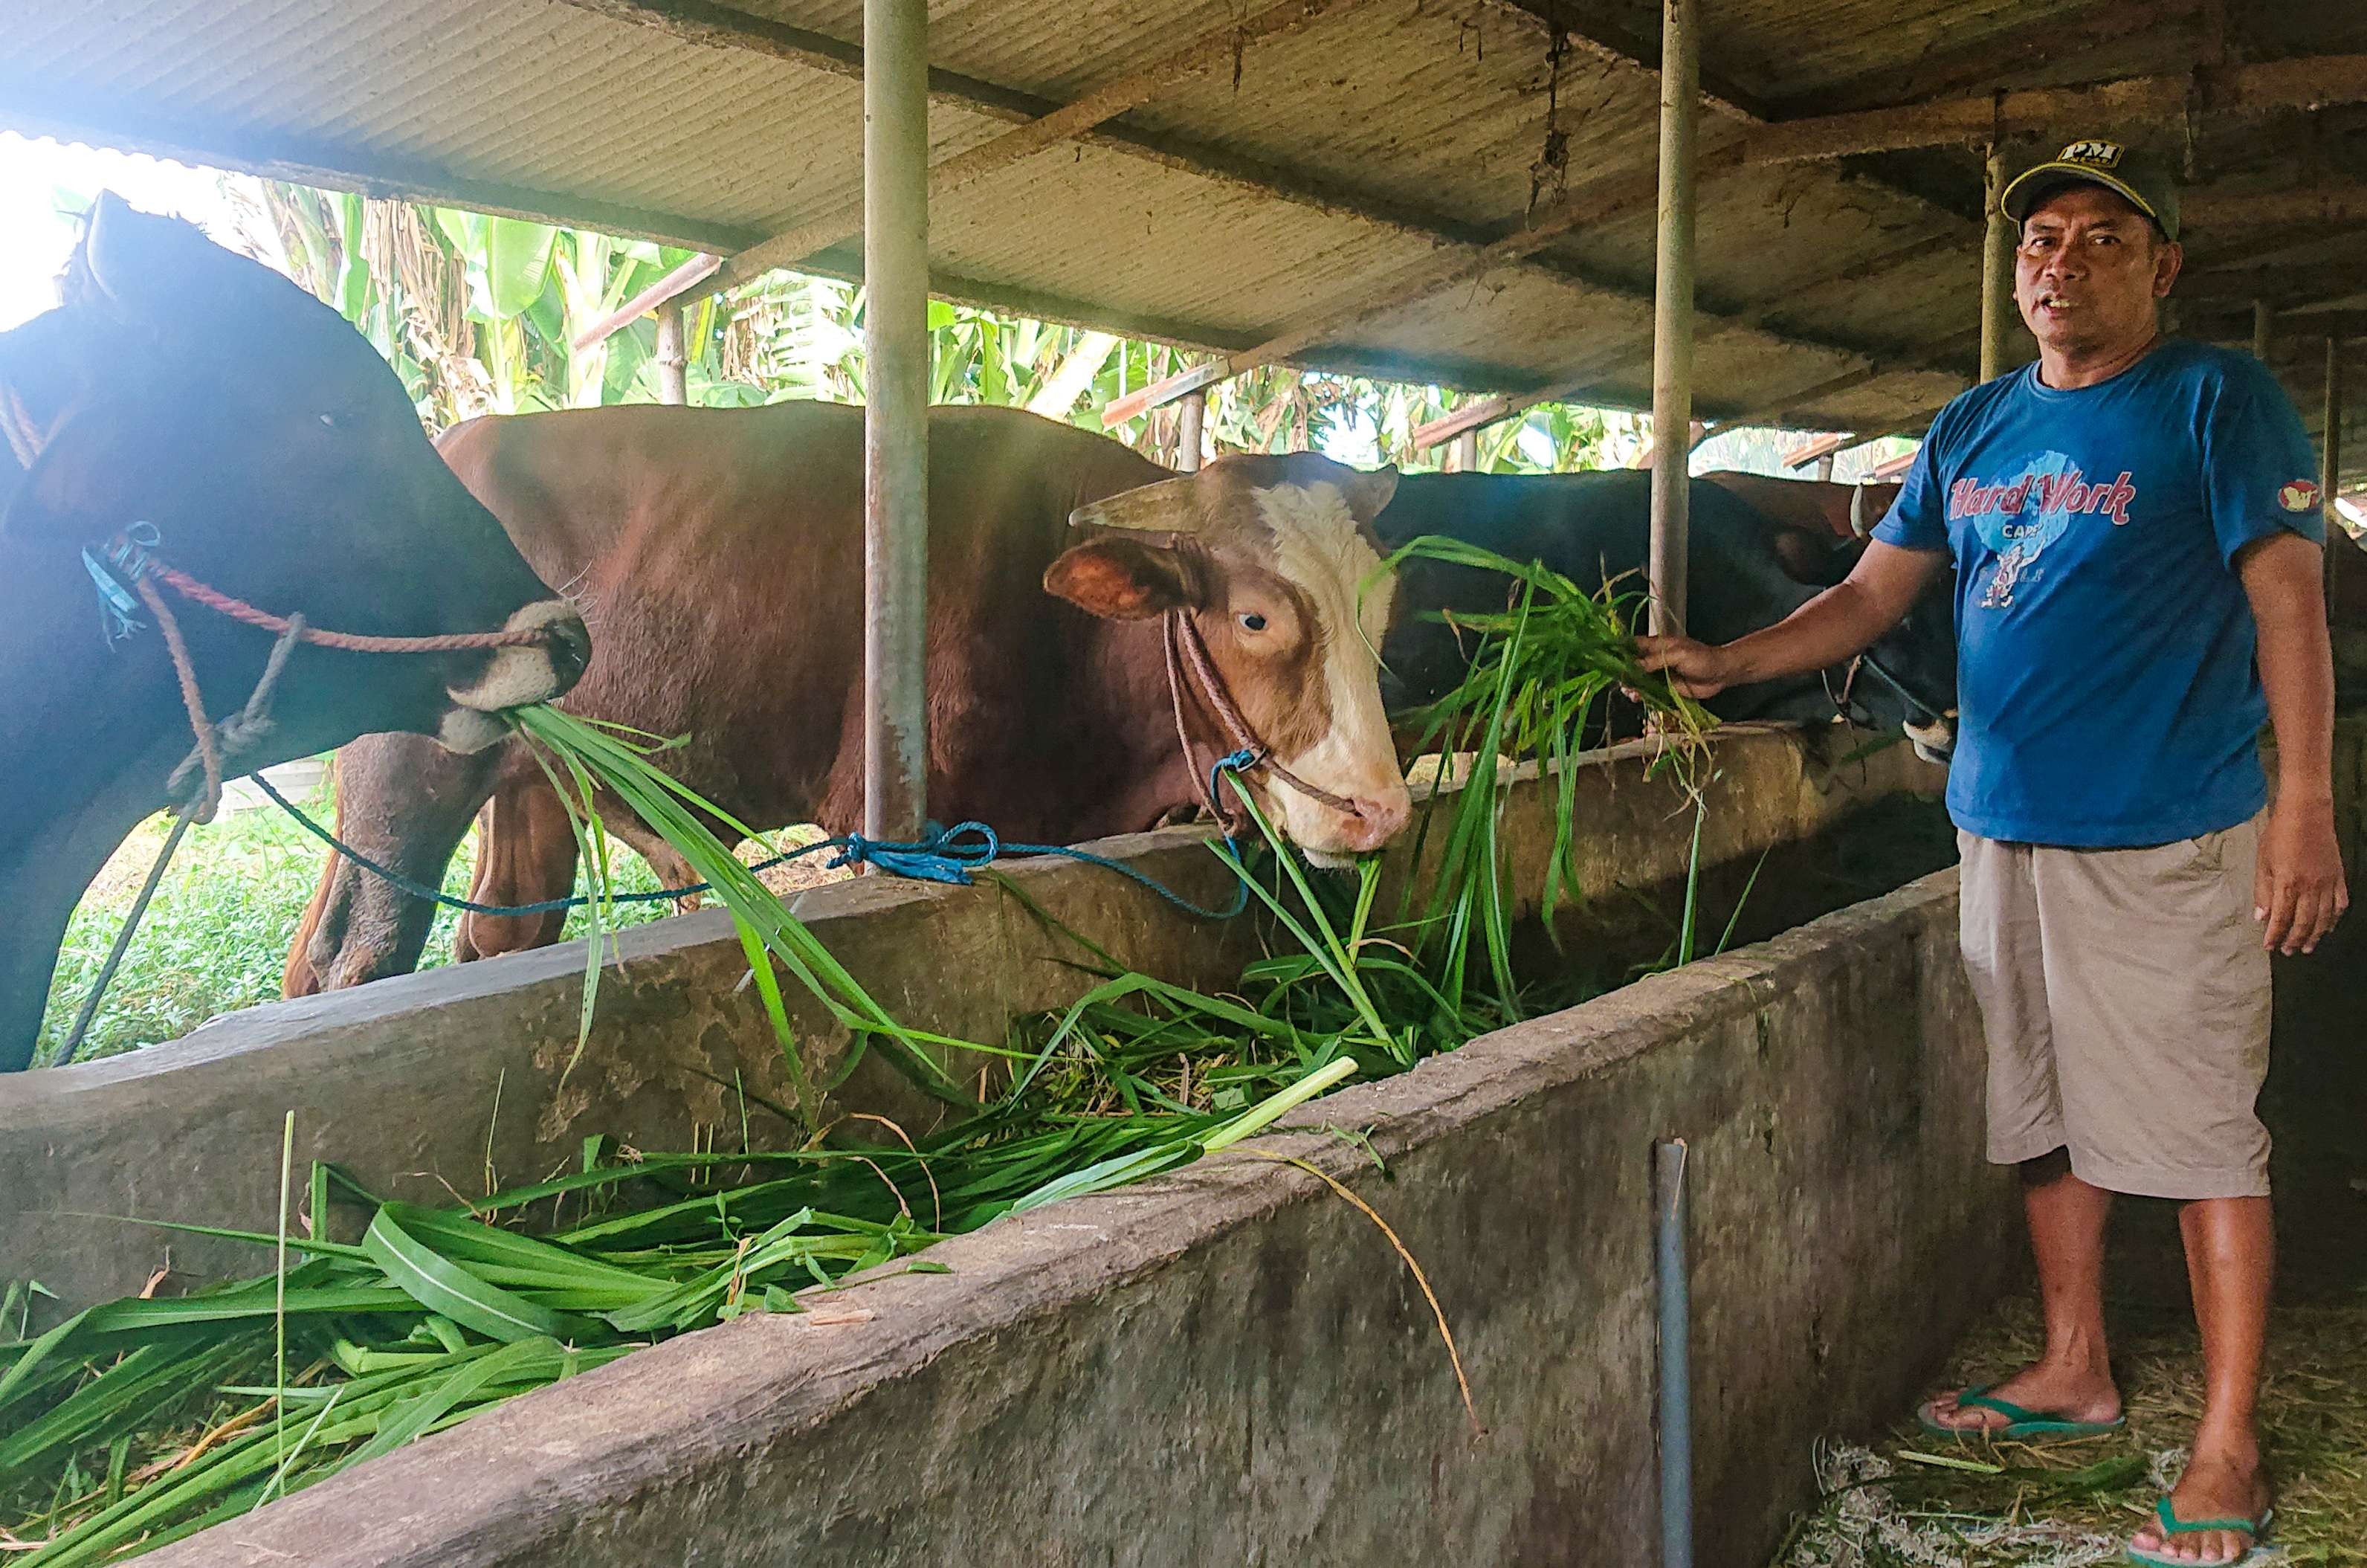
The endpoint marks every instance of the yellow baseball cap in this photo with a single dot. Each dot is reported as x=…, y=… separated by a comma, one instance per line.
x=2137, y=179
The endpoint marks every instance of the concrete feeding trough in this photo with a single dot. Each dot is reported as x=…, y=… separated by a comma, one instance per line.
x=1229, y=1364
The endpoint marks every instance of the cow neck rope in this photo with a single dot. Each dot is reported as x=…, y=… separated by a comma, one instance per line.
x=243, y=728
x=946, y=855
x=1187, y=653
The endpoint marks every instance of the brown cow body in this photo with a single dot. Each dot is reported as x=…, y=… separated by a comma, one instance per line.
x=718, y=557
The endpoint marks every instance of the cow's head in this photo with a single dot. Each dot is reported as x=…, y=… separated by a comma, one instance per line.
x=1908, y=678
x=276, y=456
x=1915, y=663
x=1275, y=561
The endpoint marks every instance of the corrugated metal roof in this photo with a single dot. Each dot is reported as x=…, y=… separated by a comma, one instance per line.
x=1222, y=212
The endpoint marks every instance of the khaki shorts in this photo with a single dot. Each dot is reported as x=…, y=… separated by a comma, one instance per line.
x=2125, y=996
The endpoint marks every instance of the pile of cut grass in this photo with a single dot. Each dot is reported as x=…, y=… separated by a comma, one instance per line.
x=1911, y=1498
x=139, y=1421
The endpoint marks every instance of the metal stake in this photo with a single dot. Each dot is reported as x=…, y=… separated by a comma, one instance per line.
x=1673, y=312
x=895, y=425
x=1668, y=1210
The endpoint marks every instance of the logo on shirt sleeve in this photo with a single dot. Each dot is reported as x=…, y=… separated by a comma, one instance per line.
x=2299, y=496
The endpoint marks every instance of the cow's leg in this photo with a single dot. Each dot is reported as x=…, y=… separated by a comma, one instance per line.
x=671, y=870
x=405, y=801
x=525, y=854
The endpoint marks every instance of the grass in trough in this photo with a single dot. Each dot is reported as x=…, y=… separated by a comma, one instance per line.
x=142, y=1420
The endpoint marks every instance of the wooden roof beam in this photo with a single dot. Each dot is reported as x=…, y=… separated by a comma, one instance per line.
x=2327, y=204
x=1981, y=60
x=2306, y=283
x=1601, y=38
x=1217, y=48
x=2307, y=83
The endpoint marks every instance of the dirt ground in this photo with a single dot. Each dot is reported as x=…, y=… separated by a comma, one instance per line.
x=1899, y=1499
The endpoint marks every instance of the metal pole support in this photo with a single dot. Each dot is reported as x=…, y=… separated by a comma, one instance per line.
x=672, y=355
x=1673, y=312
x=1191, y=419
x=2330, y=478
x=895, y=423
x=1668, y=1213
x=1998, y=316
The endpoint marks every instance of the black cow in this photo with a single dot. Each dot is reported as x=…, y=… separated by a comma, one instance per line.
x=201, y=403
x=1745, y=572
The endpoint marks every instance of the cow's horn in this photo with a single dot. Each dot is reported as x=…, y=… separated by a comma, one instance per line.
x=1163, y=507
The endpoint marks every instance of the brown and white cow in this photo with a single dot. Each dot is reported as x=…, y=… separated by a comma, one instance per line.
x=267, y=450
x=719, y=558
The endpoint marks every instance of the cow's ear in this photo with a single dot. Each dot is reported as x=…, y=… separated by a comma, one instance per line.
x=1120, y=578
x=78, y=485
x=1369, y=495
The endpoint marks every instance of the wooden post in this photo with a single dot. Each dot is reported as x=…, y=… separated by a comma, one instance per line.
x=674, y=358
x=1466, y=452
x=1673, y=312
x=2264, y=329
x=1999, y=317
x=894, y=421
x=1825, y=469
x=2330, y=476
x=1192, y=414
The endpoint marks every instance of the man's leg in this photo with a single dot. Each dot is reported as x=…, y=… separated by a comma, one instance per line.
x=2073, y=1378
x=2160, y=990
x=2230, y=1259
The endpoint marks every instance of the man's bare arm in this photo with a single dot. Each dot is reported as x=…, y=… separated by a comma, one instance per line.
x=1843, y=621
x=2298, y=893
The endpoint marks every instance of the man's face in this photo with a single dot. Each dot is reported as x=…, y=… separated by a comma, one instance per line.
x=2089, y=271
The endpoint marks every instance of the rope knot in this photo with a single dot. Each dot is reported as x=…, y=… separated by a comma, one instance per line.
x=945, y=855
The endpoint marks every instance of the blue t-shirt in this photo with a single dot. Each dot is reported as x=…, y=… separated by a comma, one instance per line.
x=2107, y=694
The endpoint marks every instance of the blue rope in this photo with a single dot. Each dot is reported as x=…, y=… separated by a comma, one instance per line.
x=947, y=855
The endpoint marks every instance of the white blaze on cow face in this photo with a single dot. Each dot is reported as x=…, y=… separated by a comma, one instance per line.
x=1320, y=550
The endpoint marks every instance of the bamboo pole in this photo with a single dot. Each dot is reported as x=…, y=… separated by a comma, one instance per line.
x=1998, y=316
x=1673, y=312
x=2264, y=329
x=1466, y=452
x=895, y=423
x=672, y=355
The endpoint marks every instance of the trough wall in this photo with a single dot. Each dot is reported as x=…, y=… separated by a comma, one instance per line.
x=1231, y=1365
x=436, y=1086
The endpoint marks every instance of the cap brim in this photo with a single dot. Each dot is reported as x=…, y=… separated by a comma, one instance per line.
x=2026, y=189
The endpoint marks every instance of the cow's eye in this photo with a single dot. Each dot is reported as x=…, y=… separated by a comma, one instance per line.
x=1252, y=621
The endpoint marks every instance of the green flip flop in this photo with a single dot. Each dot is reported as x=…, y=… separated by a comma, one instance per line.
x=2171, y=1525
x=2022, y=1425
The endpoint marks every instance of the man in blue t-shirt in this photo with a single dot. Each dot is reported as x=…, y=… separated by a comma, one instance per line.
x=2137, y=541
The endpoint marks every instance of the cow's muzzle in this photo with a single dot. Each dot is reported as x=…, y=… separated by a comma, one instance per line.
x=516, y=678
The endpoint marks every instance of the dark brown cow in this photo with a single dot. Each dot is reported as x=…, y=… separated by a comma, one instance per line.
x=719, y=558
x=274, y=455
